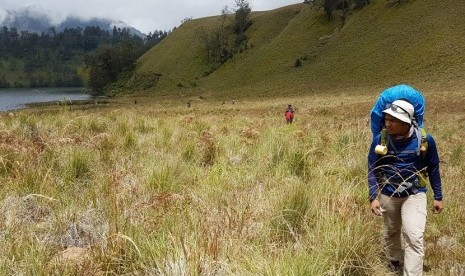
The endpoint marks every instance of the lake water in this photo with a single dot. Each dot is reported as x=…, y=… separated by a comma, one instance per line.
x=18, y=98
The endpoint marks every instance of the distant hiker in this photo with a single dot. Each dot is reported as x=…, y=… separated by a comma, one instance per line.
x=289, y=114
x=402, y=157
x=189, y=103
x=233, y=101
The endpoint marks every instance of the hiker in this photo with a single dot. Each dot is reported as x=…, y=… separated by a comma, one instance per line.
x=189, y=103
x=401, y=157
x=289, y=114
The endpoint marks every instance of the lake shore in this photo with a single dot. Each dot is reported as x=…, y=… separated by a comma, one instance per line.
x=67, y=102
x=22, y=98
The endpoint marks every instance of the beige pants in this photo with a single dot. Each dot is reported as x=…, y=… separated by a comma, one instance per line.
x=406, y=216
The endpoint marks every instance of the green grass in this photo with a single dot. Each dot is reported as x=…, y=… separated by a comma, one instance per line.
x=160, y=188
x=382, y=44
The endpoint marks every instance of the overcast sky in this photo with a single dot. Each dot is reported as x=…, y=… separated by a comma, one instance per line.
x=145, y=15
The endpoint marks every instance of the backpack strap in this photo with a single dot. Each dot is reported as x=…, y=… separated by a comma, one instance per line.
x=383, y=137
x=424, y=142
x=423, y=174
x=382, y=149
x=419, y=135
x=386, y=139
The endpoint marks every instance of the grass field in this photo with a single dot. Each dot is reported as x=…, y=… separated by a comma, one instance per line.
x=157, y=188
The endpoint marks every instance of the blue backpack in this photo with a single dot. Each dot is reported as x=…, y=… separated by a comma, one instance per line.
x=398, y=92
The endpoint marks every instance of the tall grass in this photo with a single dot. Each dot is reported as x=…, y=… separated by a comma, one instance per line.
x=209, y=190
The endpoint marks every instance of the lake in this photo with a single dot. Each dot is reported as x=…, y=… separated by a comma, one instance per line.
x=18, y=98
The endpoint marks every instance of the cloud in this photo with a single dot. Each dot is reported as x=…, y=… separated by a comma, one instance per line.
x=145, y=15
x=3, y=15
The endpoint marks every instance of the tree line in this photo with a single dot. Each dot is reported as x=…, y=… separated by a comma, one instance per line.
x=75, y=57
x=228, y=37
x=344, y=6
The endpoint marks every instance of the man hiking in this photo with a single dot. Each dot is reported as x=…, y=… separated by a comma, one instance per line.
x=289, y=114
x=401, y=159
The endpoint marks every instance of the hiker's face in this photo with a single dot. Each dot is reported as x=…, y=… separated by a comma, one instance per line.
x=395, y=126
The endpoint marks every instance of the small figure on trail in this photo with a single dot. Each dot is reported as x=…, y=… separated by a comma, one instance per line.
x=233, y=101
x=189, y=103
x=402, y=158
x=289, y=114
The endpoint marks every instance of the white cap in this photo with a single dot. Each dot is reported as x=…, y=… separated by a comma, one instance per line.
x=401, y=110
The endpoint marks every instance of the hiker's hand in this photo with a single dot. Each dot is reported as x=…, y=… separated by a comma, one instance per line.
x=437, y=206
x=376, y=207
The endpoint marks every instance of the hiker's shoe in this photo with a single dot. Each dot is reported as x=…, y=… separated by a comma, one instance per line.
x=395, y=266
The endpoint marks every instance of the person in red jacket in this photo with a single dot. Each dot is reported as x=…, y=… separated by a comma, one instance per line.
x=289, y=114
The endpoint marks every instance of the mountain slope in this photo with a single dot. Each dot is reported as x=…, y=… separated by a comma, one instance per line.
x=418, y=41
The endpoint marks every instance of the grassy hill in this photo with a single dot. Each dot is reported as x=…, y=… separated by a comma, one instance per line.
x=417, y=42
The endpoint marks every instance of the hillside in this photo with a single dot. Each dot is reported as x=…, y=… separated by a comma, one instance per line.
x=417, y=42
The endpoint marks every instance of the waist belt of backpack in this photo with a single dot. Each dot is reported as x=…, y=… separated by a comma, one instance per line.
x=411, y=187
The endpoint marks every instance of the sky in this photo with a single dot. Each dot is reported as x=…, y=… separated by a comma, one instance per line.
x=144, y=15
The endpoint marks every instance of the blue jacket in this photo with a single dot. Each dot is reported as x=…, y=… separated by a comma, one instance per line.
x=402, y=164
